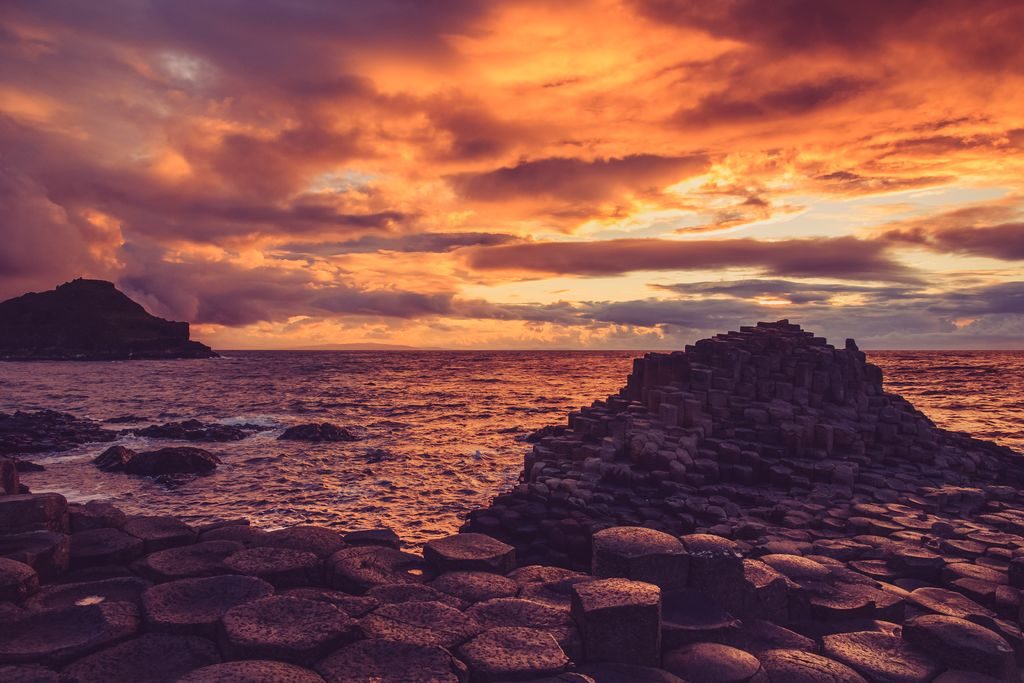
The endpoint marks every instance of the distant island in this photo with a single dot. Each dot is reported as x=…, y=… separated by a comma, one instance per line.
x=90, y=320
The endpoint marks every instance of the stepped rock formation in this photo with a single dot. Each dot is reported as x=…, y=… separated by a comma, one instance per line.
x=751, y=435
x=89, y=320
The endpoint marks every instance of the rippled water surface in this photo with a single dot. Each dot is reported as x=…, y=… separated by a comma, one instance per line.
x=441, y=431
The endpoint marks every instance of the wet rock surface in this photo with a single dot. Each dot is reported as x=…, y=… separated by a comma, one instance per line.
x=48, y=430
x=315, y=433
x=171, y=460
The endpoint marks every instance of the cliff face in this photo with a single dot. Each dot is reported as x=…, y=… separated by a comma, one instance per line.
x=89, y=320
x=766, y=427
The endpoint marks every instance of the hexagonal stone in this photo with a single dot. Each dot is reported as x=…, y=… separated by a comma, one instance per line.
x=353, y=605
x=714, y=663
x=557, y=593
x=104, y=546
x=28, y=673
x=961, y=644
x=950, y=603
x=470, y=552
x=690, y=616
x=640, y=554
x=240, y=533
x=716, y=567
x=47, y=552
x=413, y=592
x=320, y=541
x=160, y=533
x=796, y=567
x=475, y=586
x=286, y=628
x=513, y=653
x=386, y=661
x=281, y=567
x=189, y=561
x=518, y=612
x=95, y=515
x=150, y=657
x=619, y=620
x=529, y=614
x=881, y=657
x=610, y=672
x=766, y=593
x=195, y=606
x=536, y=573
x=359, y=568
x=17, y=580
x=252, y=671
x=757, y=635
x=421, y=623
x=56, y=636
x=25, y=512
x=59, y=596
x=798, y=666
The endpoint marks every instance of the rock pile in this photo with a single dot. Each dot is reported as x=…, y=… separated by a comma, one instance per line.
x=766, y=436
x=88, y=594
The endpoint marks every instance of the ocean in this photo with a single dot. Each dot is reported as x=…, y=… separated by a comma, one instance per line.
x=440, y=432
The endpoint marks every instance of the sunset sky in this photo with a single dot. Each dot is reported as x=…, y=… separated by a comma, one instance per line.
x=522, y=174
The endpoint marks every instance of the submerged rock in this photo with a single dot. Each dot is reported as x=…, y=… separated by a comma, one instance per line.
x=164, y=461
x=324, y=431
x=48, y=430
x=193, y=430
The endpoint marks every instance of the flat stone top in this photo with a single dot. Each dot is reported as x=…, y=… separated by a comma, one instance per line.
x=54, y=636
x=613, y=593
x=796, y=567
x=709, y=545
x=152, y=656
x=519, y=612
x=711, y=662
x=200, y=601
x=797, y=666
x=390, y=661
x=881, y=657
x=468, y=546
x=955, y=633
x=508, y=652
x=61, y=595
x=948, y=602
x=285, y=621
x=251, y=671
x=634, y=541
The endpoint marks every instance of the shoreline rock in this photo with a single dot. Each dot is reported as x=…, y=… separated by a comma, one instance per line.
x=317, y=432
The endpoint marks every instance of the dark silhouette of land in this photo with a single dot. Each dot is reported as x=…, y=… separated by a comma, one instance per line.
x=90, y=320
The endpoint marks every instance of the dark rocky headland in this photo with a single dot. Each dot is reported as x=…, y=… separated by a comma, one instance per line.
x=89, y=320
x=756, y=508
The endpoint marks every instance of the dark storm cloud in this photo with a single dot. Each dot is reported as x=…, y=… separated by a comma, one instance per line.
x=983, y=34
x=228, y=294
x=791, y=290
x=1004, y=241
x=842, y=257
x=577, y=179
x=420, y=242
x=730, y=107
